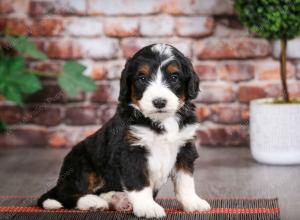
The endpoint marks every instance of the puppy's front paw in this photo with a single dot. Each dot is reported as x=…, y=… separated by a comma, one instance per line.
x=195, y=204
x=149, y=210
x=90, y=201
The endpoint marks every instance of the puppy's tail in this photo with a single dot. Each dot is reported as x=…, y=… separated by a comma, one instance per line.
x=48, y=200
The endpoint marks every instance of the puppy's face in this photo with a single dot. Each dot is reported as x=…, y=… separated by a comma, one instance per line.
x=157, y=81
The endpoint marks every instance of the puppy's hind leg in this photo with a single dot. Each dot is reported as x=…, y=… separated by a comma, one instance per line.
x=48, y=200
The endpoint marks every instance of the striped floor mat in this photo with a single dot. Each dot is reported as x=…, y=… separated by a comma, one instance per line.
x=23, y=208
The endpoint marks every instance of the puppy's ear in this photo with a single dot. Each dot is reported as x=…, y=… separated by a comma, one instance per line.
x=124, y=95
x=192, y=82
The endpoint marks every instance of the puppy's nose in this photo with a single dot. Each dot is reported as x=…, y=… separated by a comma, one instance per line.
x=159, y=103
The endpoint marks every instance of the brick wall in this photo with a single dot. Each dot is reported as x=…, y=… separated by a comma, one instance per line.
x=234, y=66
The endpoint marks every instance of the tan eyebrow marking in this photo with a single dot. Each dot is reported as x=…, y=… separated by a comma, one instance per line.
x=172, y=68
x=144, y=69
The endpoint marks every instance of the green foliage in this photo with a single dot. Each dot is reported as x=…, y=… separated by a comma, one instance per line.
x=72, y=79
x=25, y=47
x=16, y=80
x=3, y=126
x=271, y=19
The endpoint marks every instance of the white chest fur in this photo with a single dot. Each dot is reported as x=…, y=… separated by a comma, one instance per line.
x=163, y=148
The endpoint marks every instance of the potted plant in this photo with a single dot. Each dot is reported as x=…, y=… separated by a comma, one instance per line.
x=274, y=123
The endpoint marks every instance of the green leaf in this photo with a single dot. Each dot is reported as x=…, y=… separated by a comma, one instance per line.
x=16, y=65
x=25, y=47
x=73, y=66
x=72, y=79
x=14, y=80
x=12, y=94
x=29, y=83
x=69, y=87
x=3, y=126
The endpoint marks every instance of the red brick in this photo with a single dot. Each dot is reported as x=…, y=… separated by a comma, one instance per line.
x=216, y=92
x=89, y=131
x=224, y=136
x=69, y=136
x=199, y=7
x=270, y=70
x=6, y=6
x=47, y=27
x=227, y=114
x=245, y=115
x=64, y=49
x=11, y=114
x=52, y=94
x=70, y=7
x=106, y=93
x=184, y=46
x=218, y=48
x=81, y=115
x=250, y=92
x=42, y=114
x=228, y=27
x=39, y=8
x=58, y=139
x=157, y=26
x=130, y=46
x=87, y=27
x=206, y=71
x=106, y=112
x=202, y=112
x=2, y=24
x=194, y=26
x=65, y=7
x=123, y=7
x=47, y=66
x=114, y=68
x=294, y=89
x=49, y=93
x=40, y=44
x=26, y=136
x=101, y=48
x=121, y=27
x=96, y=71
x=15, y=26
x=87, y=48
x=41, y=27
x=236, y=71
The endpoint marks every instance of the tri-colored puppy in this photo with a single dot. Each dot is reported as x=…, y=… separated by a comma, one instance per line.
x=149, y=139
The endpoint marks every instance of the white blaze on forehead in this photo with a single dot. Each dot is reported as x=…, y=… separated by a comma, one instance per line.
x=162, y=49
x=158, y=89
x=166, y=61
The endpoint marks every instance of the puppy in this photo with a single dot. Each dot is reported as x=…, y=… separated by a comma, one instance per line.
x=149, y=139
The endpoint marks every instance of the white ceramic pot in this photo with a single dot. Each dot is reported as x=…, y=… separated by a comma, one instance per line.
x=275, y=132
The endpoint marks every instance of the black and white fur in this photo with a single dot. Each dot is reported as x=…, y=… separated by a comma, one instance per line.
x=149, y=139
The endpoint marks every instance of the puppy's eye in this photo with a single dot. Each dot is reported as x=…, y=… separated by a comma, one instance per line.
x=141, y=79
x=174, y=78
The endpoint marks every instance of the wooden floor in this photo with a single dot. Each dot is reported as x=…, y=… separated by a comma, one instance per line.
x=220, y=173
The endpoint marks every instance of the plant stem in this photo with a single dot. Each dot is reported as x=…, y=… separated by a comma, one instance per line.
x=44, y=74
x=285, y=91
